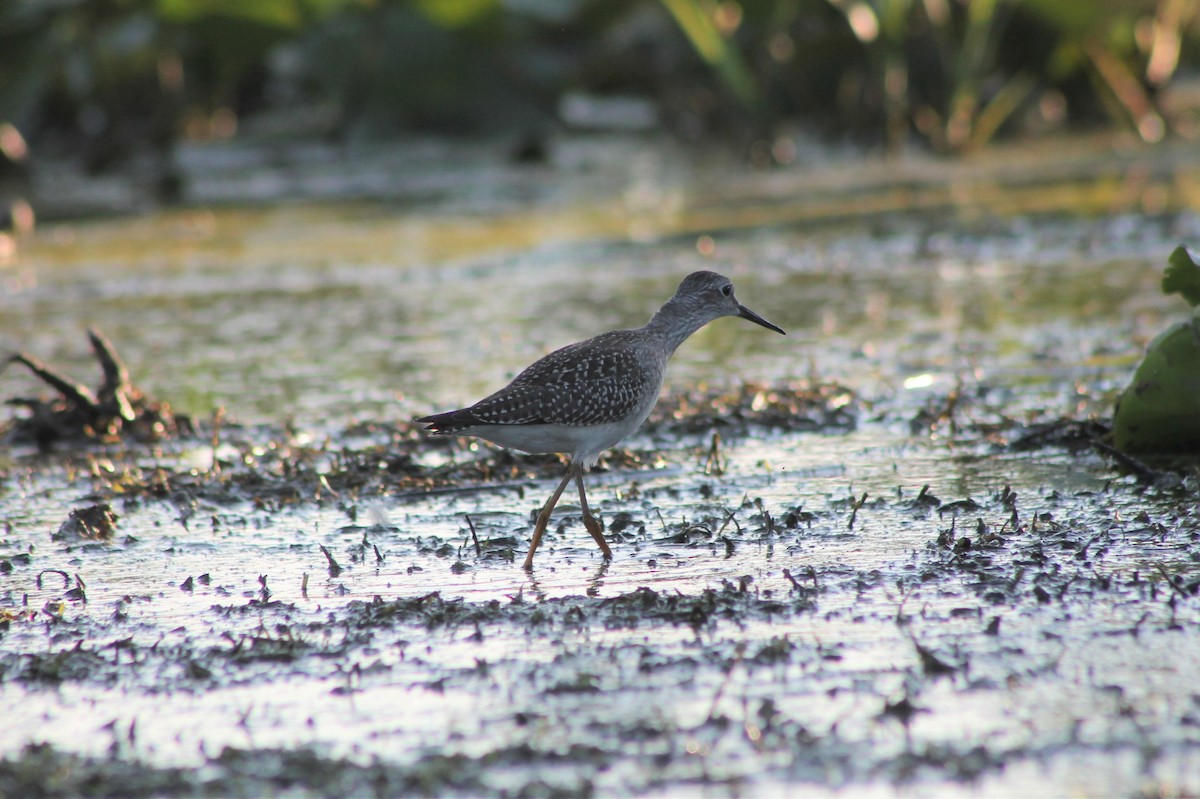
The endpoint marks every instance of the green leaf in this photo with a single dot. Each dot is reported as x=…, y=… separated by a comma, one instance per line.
x=1160, y=411
x=694, y=17
x=1182, y=276
x=457, y=13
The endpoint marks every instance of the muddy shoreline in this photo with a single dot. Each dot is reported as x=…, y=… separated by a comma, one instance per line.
x=793, y=671
x=891, y=554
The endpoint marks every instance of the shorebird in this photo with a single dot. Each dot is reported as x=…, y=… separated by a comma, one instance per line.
x=586, y=397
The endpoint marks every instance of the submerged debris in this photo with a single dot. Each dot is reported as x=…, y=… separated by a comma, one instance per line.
x=117, y=409
x=95, y=523
x=274, y=468
x=793, y=406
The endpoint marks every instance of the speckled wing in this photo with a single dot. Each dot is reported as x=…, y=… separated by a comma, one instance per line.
x=593, y=382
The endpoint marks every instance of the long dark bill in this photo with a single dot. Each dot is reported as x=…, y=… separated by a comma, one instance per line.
x=746, y=313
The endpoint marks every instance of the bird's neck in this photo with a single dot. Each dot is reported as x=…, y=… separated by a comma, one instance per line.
x=674, y=323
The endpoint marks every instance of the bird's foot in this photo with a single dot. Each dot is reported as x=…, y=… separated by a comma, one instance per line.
x=538, y=530
x=593, y=526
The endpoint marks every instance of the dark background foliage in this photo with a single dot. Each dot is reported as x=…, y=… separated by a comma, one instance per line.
x=102, y=78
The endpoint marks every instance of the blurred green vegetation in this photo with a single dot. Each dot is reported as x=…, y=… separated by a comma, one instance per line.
x=107, y=77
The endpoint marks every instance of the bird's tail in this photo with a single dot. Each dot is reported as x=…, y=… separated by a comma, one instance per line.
x=446, y=423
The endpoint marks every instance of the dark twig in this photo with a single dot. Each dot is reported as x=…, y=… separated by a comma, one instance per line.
x=474, y=537
x=1133, y=464
x=334, y=568
x=1171, y=581
x=75, y=393
x=857, y=506
x=66, y=577
x=712, y=464
x=116, y=386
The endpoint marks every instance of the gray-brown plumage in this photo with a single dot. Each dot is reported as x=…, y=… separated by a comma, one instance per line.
x=603, y=379
x=586, y=397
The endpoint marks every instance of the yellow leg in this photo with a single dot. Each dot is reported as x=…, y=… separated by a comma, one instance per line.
x=544, y=517
x=589, y=521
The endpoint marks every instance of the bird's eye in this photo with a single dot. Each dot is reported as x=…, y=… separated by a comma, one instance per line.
x=726, y=290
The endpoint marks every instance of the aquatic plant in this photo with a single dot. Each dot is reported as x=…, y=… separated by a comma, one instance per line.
x=1160, y=410
x=953, y=74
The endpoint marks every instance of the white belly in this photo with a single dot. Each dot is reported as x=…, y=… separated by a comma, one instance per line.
x=583, y=443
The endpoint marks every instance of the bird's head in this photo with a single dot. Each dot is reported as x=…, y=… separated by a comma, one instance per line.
x=710, y=295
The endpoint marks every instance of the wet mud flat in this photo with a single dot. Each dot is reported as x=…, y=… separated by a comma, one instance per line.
x=299, y=619
x=916, y=571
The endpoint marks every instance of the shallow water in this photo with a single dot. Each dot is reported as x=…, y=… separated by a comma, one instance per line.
x=382, y=308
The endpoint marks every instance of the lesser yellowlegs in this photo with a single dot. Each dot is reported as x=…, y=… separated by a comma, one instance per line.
x=586, y=397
